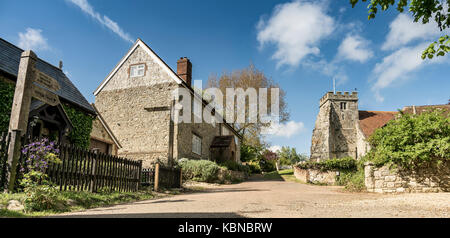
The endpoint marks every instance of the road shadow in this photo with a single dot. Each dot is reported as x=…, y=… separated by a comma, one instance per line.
x=157, y=215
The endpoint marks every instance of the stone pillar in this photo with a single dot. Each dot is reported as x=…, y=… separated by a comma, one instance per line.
x=368, y=176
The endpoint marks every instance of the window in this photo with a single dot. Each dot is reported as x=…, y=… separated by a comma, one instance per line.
x=137, y=70
x=196, y=144
x=343, y=105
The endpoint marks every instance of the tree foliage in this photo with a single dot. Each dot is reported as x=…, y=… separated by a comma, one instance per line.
x=289, y=156
x=412, y=140
x=249, y=77
x=423, y=11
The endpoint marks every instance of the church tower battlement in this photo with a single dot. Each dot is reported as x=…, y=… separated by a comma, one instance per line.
x=334, y=134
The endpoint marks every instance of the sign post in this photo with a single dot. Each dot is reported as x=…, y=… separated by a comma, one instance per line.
x=19, y=113
x=30, y=83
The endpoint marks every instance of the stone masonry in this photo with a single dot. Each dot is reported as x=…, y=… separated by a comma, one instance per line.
x=335, y=132
x=427, y=178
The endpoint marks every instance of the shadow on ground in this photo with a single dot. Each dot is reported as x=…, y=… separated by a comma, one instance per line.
x=157, y=215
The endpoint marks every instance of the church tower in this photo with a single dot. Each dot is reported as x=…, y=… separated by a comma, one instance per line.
x=334, y=134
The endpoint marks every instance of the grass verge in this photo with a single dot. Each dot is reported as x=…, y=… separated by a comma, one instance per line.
x=286, y=175
x=73, y=201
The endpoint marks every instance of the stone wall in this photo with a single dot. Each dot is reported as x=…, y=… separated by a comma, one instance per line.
x=388, y=179
x=315, y=176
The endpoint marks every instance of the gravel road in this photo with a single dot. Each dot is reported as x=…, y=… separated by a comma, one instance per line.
x=258, y=198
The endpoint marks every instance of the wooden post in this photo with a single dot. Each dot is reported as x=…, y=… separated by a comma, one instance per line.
x=139, y=175
x=156, y=182
x=93, y=186
x=19, y=112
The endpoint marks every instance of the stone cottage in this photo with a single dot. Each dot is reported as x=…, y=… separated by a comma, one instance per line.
x=135, y=100
x=342, y=130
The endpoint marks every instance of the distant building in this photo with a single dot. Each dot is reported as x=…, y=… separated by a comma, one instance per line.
x=342, y=130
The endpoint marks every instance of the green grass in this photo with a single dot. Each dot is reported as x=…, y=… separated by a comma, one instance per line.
x=286, y=175
x=82, y=200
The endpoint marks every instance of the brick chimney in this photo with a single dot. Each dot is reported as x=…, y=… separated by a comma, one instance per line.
x=184, y=70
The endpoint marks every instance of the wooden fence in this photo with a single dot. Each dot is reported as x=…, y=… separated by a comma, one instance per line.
x=161, y=177
x=86, y=170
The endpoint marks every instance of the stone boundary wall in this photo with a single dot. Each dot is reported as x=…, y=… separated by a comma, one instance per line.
x=427, y=178
x=315, y=176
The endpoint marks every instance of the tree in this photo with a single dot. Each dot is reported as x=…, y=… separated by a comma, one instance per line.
x=249, y=77
x=289, y=156
x=424, y=11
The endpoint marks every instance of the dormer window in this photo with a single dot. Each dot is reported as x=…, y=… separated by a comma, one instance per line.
x=137, y=70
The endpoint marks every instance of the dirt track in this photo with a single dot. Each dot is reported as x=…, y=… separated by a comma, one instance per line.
x=257, y=198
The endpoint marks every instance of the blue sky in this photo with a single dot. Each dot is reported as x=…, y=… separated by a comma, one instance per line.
x=301, y=45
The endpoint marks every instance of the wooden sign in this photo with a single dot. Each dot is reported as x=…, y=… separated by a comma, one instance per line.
x=45, y=96
x=46, y=81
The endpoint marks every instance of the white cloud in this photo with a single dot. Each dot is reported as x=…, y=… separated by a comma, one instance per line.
x=284, y=130
x=275, y=148
x=355, y=48
x=32, y=39
x=398, y=65
x=104, y=20
x=330, y=69
x=296, y=28
x=403, y=30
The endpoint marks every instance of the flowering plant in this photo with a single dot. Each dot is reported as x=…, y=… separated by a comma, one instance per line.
x=41, y=193
x=40, y=155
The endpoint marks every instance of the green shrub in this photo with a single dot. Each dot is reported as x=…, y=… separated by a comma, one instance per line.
x=235, y=166
x=199, y=170
x=412, y=140
x=254, y=167
x=43, y=198
x=342, y=164
x=352, y=180
x=267, y=165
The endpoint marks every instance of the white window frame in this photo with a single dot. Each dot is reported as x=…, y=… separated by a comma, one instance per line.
x=196, y=144
x=137, y=70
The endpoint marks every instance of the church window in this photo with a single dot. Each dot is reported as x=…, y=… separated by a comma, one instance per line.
x=343, y=105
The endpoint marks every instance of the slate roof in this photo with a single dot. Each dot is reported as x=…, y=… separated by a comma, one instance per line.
x=369, y=121
x=222, y=141
x=9, y=64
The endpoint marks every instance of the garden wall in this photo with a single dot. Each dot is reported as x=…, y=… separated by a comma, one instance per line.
x=427, y=178
x=315, y=176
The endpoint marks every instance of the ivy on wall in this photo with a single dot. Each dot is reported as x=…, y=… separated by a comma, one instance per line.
x=6, y=99
x=82, y=126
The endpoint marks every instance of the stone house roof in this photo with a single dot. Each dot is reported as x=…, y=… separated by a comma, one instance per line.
x=9, y=66
x=369, y=121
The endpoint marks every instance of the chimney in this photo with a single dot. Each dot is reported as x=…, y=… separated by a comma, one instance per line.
x=60, y=64
x=184, y=70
